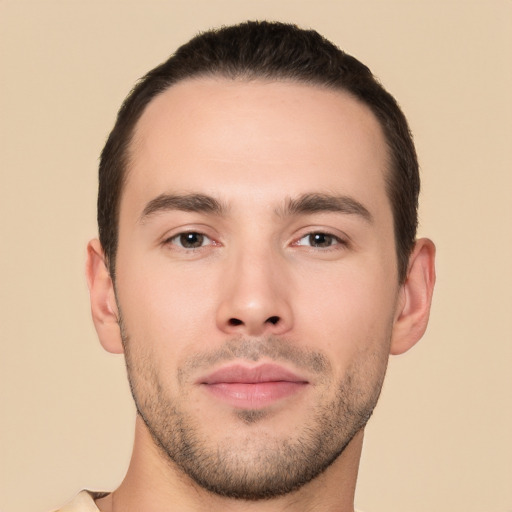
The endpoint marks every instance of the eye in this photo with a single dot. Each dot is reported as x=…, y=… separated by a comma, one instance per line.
x=319, y=240
x=190, y=240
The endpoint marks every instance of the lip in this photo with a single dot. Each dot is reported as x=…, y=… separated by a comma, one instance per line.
x=252, y=387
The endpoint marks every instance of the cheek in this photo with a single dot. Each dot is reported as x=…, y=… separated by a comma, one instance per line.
x=349, y=314
x=165, y=306
x=165, y=318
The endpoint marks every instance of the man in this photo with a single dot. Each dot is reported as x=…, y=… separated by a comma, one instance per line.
x=256, y=264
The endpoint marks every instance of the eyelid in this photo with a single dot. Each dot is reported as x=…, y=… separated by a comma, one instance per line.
x=169, y=238
x=176, y=238
x=341, y=239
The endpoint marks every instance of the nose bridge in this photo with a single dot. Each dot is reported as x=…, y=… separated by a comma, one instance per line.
x=253, y=298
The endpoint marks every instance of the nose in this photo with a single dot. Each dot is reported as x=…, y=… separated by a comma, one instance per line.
x=255, y=296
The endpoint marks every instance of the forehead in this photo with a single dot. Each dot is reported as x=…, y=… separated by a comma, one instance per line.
x=258, y=138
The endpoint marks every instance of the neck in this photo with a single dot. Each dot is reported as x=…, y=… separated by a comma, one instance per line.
x=155, y=484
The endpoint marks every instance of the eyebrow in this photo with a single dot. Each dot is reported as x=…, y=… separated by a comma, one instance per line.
x=317, y=203
x=200, y=203
x=304, y=204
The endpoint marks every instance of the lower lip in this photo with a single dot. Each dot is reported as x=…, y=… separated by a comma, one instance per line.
x=254, y=396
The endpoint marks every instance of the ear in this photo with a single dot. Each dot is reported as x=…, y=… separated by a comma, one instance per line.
x=103, y=301
x=415, y=298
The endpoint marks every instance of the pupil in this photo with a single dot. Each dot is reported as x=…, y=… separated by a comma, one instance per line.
x=320, y=240
x=191, y=240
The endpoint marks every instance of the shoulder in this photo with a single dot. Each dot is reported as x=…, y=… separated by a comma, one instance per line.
x=83, y=502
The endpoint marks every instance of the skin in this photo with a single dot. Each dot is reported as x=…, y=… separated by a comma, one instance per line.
x=257, y=277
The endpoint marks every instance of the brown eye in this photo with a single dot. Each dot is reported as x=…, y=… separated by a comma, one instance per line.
x=321, y=240
x=190, y=240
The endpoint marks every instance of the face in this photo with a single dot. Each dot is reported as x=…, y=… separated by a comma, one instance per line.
x=256, y=279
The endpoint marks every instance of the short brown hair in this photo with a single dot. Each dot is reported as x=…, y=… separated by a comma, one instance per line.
x=269, y=50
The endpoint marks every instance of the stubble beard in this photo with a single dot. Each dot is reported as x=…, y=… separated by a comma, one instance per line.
x=254, y=467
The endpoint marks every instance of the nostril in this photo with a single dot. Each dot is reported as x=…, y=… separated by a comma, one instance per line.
x=273, y=320
x=235, y=321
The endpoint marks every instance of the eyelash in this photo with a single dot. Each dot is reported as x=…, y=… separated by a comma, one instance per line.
x=180, y=238
x=333, y=241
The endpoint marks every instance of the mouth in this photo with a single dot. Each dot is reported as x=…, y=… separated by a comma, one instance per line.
x=252, y=387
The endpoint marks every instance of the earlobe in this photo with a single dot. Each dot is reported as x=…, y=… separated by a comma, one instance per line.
x=103, y=301
x=416, y=296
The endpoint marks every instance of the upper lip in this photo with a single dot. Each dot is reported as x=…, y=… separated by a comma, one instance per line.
x=238, y=373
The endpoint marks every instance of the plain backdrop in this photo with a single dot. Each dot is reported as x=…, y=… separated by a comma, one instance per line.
x=440, y=439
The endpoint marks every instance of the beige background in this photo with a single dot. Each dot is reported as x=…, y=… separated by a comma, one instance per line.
x=441, y=437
